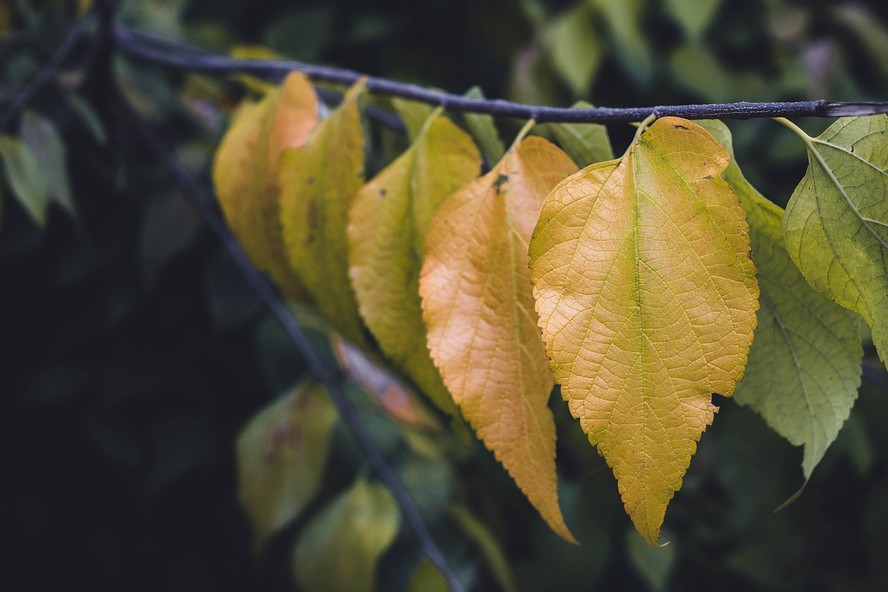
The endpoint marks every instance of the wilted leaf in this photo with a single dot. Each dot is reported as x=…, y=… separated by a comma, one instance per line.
x=245, y=173
x=387, y=230
x=586, y=143
x=836, y=222
x=397, y=400
x=573, y=44
x=43, y=140
x=804, y=365
x=281, y=456
x=647, y=298
x=341, y=546
x=28, y=183
x=478, y=308
x=318, y=182
x=693, y=15
x=484, y=130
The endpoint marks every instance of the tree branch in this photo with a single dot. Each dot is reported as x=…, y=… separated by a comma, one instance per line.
x=167, y=52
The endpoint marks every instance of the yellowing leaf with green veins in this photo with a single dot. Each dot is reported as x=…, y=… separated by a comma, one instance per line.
x=804, y=365
x=318, y=182
x=414, y=115
x=245, y=173
x=646, y=296
x=478, y=309
x=387, y=232
x=339, y=548
x=836, y=222
x=281, y=456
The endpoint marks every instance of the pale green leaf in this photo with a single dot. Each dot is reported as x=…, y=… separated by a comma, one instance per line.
x=624, y=20
x=836, y=222
x=574, y=47
x=281, y=455
x=43, y=140
x=586, y=143
x=488, y=545
x=388, y=223
x=340, y=548
x=653, y=564
x=646, y=298
x=484, y=130
x=804, y=365
x=28, y=183
x=693, y=16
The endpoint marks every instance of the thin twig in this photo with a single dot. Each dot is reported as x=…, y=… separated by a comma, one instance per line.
x=205, y=204
x=24, y=96
x=171, y=53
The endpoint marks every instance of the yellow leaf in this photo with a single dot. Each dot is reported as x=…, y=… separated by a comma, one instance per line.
x=245, y=173
x=647, y=299
x=478, y=307
x=388, y=225
x=318, y=182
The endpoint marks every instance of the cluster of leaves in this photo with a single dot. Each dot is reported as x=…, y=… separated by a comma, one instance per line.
x=134, y=352
x=632, y=278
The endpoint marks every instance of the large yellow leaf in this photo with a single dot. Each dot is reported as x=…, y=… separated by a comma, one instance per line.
x=647, y=299
x=245, y=173
x=388, y=225
x=482, y=328
x=318, y=182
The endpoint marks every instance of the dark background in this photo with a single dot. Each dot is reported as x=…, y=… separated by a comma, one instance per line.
x=133, y=353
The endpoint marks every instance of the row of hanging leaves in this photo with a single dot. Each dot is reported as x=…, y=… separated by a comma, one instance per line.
x=630, y=282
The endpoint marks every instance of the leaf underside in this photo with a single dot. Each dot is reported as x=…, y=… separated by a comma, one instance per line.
x=804, y=365
x=836, y=222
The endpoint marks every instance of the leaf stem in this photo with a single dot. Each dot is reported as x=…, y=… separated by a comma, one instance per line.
x=523, y=133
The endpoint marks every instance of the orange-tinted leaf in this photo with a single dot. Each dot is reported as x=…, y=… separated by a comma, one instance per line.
x=482, y=328
x=388, y=226
x=318, y=182
x=245, y=173
x=647, y=299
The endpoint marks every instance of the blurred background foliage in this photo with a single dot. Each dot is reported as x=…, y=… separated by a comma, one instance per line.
x=134, y=354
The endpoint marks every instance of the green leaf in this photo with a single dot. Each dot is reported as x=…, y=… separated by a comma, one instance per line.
x=488, y=545
x=586, y=143
x=484, y=130
x=836, y=222
x=623, y=18
x=28, y=183
x=281, y=455
x=42, y=138
x=426, y=578
x=388, y=223
x=573, y=44
x=804, y=365
x=653, y=564
x=414, y=115
x=340, y=547
x=318, y=182
x=646, y=298
x=693, y=16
